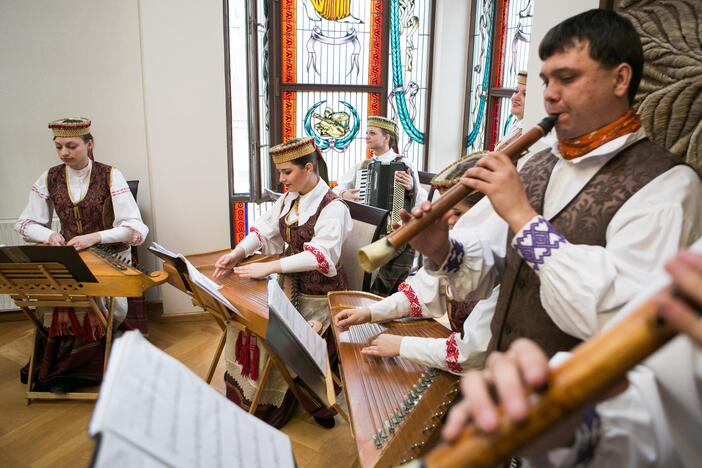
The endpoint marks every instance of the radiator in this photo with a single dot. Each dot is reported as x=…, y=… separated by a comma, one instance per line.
x=8, y=236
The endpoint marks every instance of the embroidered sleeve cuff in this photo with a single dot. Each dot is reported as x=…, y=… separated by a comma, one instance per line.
x=452, y=354
x=415, y=306
x=537, y=240
x=251, y=243
x=322, y=262
x=454, y=259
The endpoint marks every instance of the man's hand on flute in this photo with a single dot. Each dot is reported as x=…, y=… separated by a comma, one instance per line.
x=686, y=272
x=433, y=241
x=496, y=176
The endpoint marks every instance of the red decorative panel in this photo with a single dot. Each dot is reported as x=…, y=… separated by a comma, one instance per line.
x=240, y=221
x=288, y=40
x=374, y=49
x=289, y=115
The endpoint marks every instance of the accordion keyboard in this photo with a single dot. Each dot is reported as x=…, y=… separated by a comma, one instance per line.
x=362, y=185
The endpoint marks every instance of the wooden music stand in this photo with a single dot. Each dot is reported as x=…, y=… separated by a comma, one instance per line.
x=247, y=320
x=50, y=284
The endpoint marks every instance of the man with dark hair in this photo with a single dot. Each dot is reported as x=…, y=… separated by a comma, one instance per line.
x=571, y=237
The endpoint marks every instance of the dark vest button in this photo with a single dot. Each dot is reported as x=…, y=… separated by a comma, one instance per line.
x=508, y=330
x=521, y=284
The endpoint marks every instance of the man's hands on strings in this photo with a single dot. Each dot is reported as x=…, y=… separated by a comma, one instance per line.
x=347, y=317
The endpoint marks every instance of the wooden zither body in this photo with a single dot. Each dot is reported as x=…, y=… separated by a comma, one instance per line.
x=249, y=296
x=35, y=284
x=30, y=283
x=396, y=405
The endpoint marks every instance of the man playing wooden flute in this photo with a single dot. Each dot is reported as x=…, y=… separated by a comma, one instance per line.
x=656, y=421
x=571, y=237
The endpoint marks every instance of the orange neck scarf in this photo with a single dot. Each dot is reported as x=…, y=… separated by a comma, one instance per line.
x=576, y=147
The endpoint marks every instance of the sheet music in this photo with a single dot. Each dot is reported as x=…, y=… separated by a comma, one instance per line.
x=152, y=401
x=279, y=304
x=198, y=278
x=116, y=452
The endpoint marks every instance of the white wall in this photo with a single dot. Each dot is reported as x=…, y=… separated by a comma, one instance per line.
x=150, y=75
x=184, y=96
x=69, y=58
x=451, y=33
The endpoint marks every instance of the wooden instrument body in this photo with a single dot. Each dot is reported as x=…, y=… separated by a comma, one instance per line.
x=377, y=388
x=28, y=280
x=249, y=296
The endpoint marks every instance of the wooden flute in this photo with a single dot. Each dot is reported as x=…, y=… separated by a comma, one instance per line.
x=381, y=251
x=594, y=367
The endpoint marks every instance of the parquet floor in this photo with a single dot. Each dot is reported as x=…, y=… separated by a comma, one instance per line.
x=55, y=433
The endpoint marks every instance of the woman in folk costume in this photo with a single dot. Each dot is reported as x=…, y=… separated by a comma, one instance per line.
x=95, y=206
x=307, y=226
x=424, y=295
x=381, y=139
x=517, y=110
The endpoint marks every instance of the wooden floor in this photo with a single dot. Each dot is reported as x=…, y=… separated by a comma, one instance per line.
x=55, y=433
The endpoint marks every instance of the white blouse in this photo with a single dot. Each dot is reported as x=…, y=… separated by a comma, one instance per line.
x=424, y=295
x=323, y=252
x=583, y=285
x=657, y=421
x=33, y=224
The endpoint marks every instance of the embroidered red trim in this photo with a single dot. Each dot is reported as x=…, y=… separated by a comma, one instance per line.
x=415, y=307
x=322, y=263
x=23, y=226
x=258, y=234
x=452, y=354
x=43, y=196
x=120, y=191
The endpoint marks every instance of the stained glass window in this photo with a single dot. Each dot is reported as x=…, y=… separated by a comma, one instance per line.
x=502, y=29
x=321, y=67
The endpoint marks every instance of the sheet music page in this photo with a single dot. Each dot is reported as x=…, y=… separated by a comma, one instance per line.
x=163, y=250
x=115, y=452
x=279, y=303
x=154, y=402
x=198, y=278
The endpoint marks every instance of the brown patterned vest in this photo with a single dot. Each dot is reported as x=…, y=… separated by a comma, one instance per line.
x=311, y=282
x=91, y=214
x=458, y=312
x=584, y=220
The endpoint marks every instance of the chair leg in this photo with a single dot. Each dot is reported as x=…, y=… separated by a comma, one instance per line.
x=32, y=357
x=261, y=385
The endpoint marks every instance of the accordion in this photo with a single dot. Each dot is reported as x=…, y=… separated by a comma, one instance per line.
x=377, y=187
